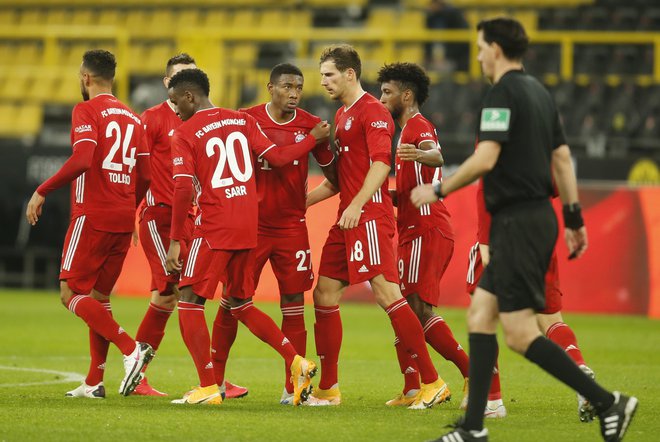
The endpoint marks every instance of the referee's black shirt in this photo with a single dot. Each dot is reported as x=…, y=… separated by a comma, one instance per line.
x=519, y=113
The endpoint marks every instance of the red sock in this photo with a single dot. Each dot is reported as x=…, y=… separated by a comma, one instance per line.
x=152, y=328
x=98, y=319
x=328, y=335
x=495, y=389
x=98, y=350
x=293, y=327
x=263, y=327
x=562, y=335
x=439, y=336
x=408, y=329
x=225, y=327
x=196, y=337
x=408, y=367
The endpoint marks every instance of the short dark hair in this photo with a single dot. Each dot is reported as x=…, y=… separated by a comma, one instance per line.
x=284, y=69
x=181, y=58
x=345, y=57
x=409, y=76
x=508, y=33
x=191, y=78
x=100, y=63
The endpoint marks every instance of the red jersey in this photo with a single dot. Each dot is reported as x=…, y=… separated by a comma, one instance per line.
x=159, y=124
x=282, y=190
x=217, y=147
x=105, y=193
x=413, y=222
x=363, y=134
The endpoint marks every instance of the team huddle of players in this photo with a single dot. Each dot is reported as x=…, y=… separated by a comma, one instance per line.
x=221, y=191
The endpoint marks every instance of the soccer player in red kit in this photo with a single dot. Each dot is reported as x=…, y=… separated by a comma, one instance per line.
x=426, y=237
x=282, y=238
x=359, y=246
x=159, y=123
x=110, y=171
x=550, y=319
x=216, y=147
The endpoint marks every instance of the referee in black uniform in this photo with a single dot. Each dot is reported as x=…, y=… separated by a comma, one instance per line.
x=521, y=146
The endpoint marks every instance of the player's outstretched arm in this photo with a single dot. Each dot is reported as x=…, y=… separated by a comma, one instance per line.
x=575, y=233
x=79, y=162
x=377, y=174
x=426, y=153
x=322, y=192
x=279, y=156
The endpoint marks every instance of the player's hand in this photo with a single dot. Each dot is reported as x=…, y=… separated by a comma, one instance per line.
x=423, y=194
x=350, y=218
x=408, y=152
x=172, y=262
x=321, y=132
x=576, y=241
x=34, y=207
x=136, y=238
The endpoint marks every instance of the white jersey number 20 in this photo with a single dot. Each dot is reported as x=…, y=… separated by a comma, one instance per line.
x=227, y=151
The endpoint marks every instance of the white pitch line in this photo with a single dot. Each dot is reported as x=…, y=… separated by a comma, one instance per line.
x=67, y=376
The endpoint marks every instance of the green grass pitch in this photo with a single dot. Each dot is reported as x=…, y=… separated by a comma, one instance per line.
x=37, y=333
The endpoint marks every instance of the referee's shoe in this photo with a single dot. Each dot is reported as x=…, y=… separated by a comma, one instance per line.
x=615, y=420
x=460, y=434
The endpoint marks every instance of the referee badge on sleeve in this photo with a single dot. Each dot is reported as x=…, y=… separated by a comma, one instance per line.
x=495, y=119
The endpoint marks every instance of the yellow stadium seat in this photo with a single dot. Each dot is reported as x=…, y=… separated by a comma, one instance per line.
x=215, y=19
x=156, y=58
x=84, y=17
x=412, y=20
x=243, y=54
x=188, y=18
x=411, y=53
x=32, y=17
x=137, y=20
x=29, y=54
x=42, y=89
x=15, y=86
x=300, y=19
x=67, y=89
x=273, y=18
x=29, y=119
x=7, y=119
x=244, y=19
x=8, y=17
x=58, y=17
x=382, y=18
x=111, y=17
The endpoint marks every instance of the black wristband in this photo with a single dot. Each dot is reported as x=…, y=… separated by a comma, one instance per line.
x=573, y=216
x=437, y=189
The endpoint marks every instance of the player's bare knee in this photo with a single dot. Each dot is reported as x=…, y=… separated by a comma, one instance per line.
x=165, y=301
x=187, y=295
x=65, y=293
x=237, y=302
x=291, y=299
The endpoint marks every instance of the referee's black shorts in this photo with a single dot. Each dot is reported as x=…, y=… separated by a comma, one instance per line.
x=522, y=237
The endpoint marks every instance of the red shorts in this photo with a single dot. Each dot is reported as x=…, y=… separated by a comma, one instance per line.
x=422, y=262
x=155, y=239
x=291, y=260
x=553, y=294
x=359, y=254
x=92, y=259
x=206, y=267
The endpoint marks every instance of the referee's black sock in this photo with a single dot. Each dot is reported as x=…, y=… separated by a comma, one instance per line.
x=483, y=353
x=550, y=357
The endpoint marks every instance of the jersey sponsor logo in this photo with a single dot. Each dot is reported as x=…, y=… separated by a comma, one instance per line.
x=300, y=136
x=177, y=161
x=170, y=133
x=349, y=123
x=83, y=128
x=379, y=124
x=495, y=119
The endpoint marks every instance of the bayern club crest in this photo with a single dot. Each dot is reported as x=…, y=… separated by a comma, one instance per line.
x=349, y=123
x=300, y=136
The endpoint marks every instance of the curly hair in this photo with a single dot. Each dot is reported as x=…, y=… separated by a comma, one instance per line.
x=101, y=63
x=191, y=79
x=409, y=76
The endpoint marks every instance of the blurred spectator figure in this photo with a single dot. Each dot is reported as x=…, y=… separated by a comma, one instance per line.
x=446, y=56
